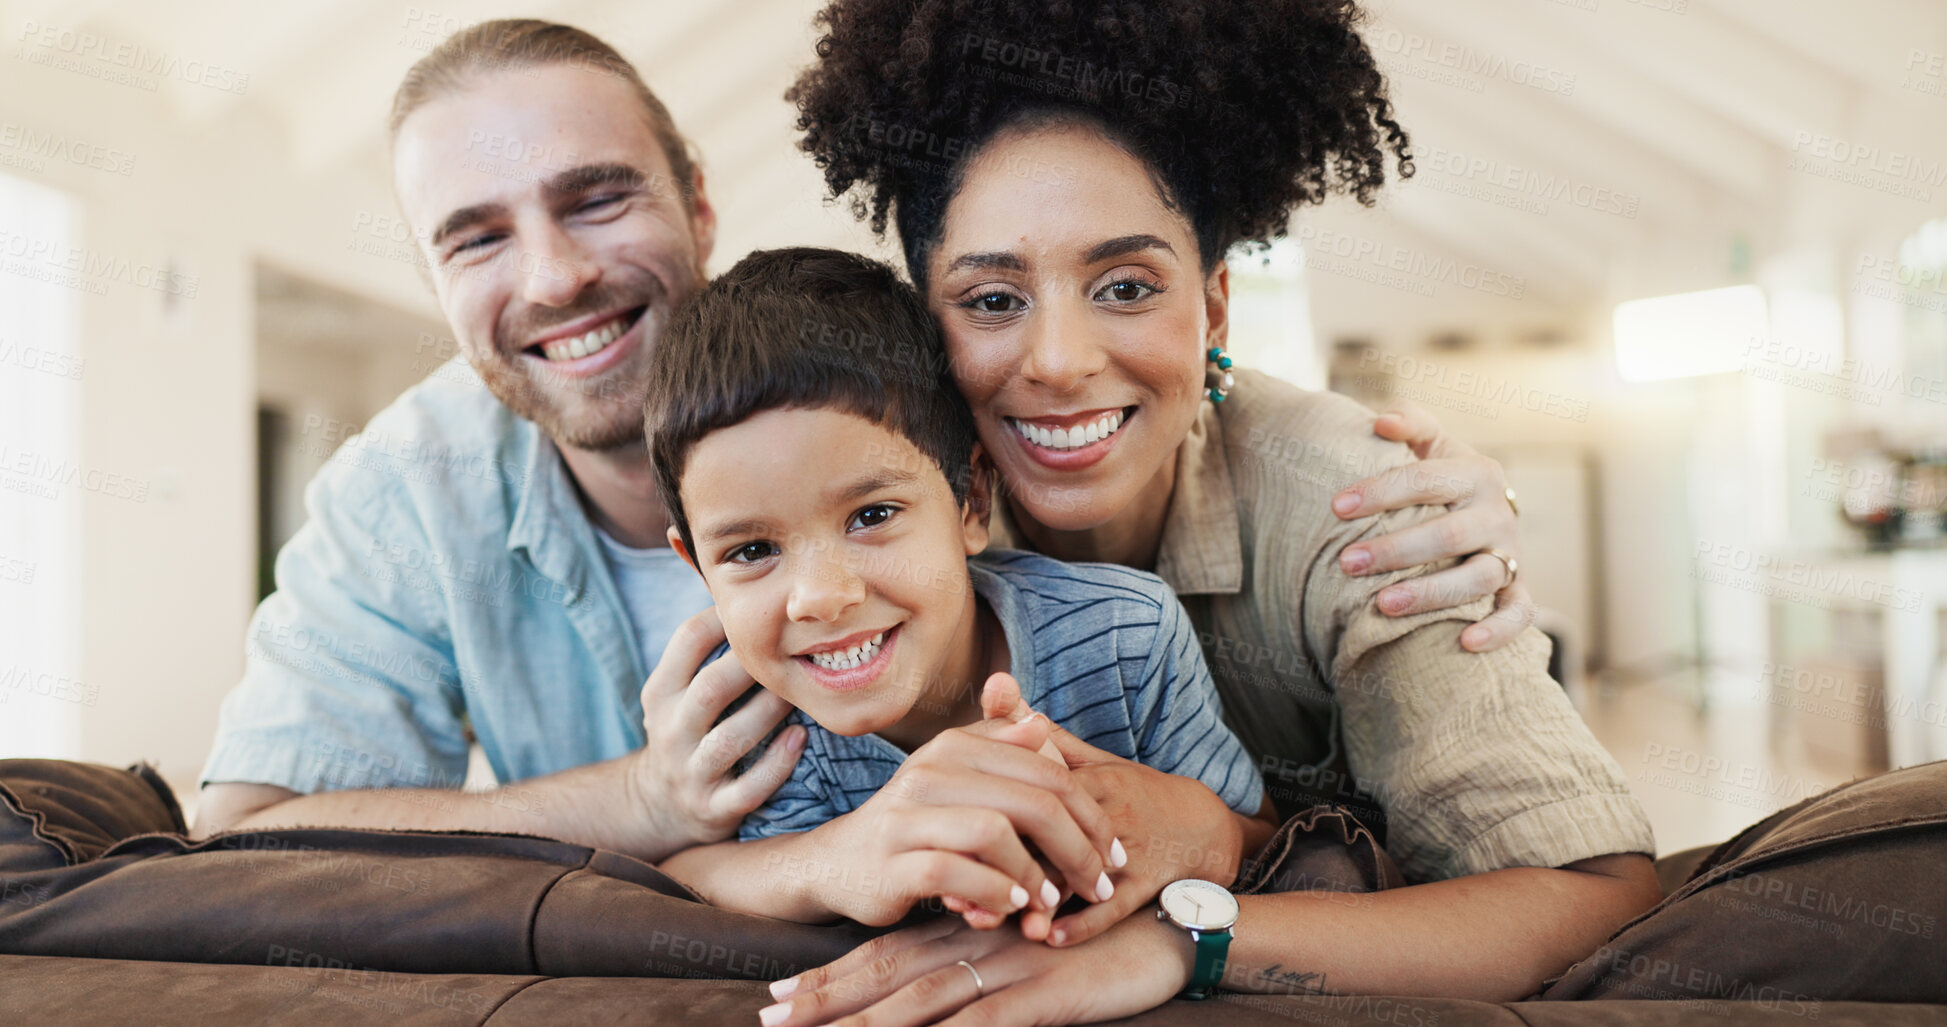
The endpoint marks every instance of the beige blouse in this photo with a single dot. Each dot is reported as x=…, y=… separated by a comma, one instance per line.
x=1467, y=762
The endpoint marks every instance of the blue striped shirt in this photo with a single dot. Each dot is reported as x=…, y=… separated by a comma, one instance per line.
x=1105, y=651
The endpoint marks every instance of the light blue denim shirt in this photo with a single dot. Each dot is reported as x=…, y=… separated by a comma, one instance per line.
x=447, y=578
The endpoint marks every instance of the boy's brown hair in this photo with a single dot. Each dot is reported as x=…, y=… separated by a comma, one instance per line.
x=812, y=329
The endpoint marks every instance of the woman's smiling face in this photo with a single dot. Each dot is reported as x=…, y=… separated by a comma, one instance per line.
x=1076, y=315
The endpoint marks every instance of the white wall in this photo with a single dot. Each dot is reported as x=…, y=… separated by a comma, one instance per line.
x=165, y=403
x=42, y=692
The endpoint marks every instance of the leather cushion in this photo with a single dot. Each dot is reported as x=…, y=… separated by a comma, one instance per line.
x=1837, y=898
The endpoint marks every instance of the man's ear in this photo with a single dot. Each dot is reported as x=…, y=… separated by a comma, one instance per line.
x=703, y=218
x=676, y=543
x=978, y=510
x=1216, y=306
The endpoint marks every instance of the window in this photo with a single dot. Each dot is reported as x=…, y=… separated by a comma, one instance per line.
x=40, y=371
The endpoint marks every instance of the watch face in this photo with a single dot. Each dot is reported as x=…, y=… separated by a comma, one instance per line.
x=1199, y=904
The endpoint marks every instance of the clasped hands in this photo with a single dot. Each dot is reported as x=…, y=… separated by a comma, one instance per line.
x=1013, y=814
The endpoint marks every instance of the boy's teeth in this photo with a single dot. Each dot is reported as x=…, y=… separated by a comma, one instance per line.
x=846, y=659
x=582, y=345
x=1070, y=438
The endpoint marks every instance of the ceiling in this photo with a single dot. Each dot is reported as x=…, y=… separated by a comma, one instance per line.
x=1588, y=150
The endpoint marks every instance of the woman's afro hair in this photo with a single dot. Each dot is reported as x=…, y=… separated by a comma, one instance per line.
x=1243, y=109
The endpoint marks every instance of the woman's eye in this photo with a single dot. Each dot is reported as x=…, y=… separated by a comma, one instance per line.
x=1128, y=290
x=751, y=552
x=872, y=516
x=993, y=303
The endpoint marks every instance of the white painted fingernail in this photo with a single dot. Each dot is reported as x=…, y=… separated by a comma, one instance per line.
x=771, y=1016
x=1117, y=856
x=779, y=989
x=1103, y=889
x=1018, y=896
x=1050, y=895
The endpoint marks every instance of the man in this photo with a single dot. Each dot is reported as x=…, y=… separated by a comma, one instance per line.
x=486, y=560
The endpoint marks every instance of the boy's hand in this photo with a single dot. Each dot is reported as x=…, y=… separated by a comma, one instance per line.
x=955, y=821
x=680, y=781
x=1001, y=705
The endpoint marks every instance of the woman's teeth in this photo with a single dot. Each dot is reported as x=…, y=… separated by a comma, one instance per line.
x=845, y=659
x=582, y=345
x=1070, y=438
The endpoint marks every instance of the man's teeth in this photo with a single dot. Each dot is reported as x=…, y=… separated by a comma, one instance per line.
x=846, y=659
x=582, y=345
x=1070, y=438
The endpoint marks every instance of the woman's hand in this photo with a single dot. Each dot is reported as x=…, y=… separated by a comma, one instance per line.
x=954, y=822
x=1173, y=827
x=914, y=976
x=1474, y=489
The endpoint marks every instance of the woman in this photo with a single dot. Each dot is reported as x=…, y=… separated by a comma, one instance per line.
x=1065, y=178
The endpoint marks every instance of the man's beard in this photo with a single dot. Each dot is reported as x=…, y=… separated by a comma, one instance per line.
x=601, y=413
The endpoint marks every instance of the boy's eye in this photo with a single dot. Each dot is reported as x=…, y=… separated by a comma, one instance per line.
x=751, y=552
x=872, y=516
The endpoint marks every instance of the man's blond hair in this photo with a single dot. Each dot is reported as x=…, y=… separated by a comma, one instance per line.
x=516, y=43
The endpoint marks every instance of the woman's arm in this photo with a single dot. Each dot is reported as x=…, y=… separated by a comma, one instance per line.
x=1493, y=937
x=1259, y=827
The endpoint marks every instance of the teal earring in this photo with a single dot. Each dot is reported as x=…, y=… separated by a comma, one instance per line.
x=1220, y=371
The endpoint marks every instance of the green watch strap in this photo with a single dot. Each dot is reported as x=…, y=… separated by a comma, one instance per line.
x=1213, y=950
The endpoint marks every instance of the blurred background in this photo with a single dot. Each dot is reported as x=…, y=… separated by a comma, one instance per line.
x=1678, y=264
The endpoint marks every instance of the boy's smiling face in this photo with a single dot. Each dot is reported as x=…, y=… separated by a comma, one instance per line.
x=837, y=557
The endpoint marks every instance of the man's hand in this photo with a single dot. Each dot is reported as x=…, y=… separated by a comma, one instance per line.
x=680, y=784
x=1474, y=489
x=673, y=793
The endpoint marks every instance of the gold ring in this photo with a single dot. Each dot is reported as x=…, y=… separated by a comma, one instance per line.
x=1509, y=492
x=1506, y=561
x=979, y=988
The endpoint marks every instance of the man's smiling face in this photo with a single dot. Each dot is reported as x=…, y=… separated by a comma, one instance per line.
x=559, y=241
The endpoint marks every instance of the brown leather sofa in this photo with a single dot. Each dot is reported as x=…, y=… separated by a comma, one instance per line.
x=1826, y=912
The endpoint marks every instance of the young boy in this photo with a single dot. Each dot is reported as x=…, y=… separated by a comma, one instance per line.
x=821, y=472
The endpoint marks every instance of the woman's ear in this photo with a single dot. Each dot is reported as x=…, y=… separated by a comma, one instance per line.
x=978, y=509
x=1216, y=307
